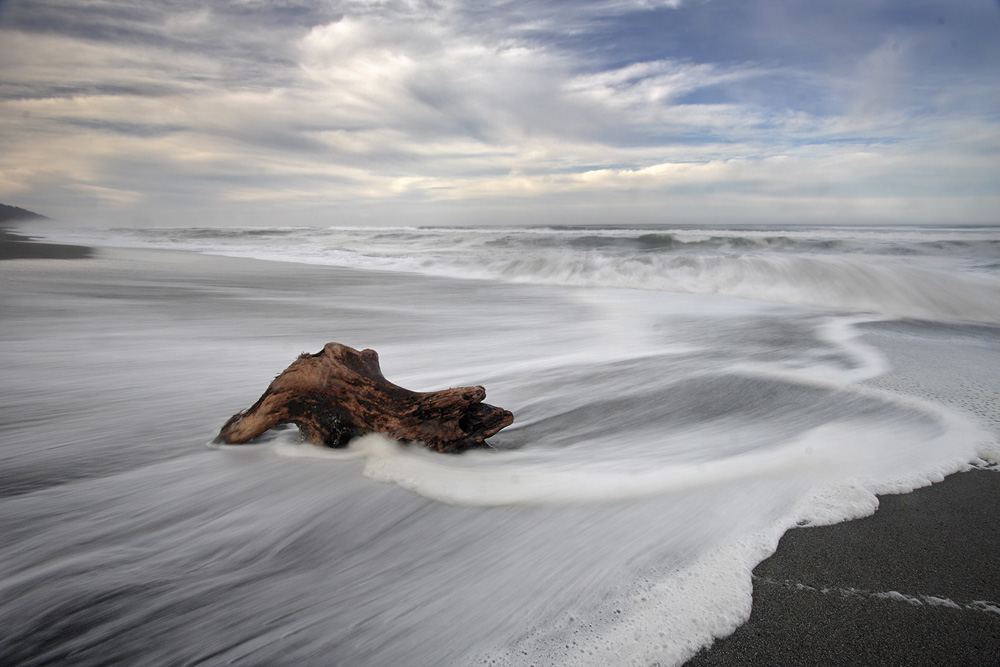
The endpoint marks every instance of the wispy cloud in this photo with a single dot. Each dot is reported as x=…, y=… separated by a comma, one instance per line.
x=641, y=110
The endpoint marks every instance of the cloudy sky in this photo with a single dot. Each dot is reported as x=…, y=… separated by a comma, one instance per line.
x=501, y=111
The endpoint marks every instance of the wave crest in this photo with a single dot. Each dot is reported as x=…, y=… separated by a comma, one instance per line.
x=830, y=282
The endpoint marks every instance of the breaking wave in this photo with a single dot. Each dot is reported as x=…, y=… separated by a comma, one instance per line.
x=947, y=274
x=828, y=282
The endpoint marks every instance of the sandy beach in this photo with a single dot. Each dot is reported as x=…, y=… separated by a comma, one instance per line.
x=17, y=246
x=915, y=583
x=720, y=281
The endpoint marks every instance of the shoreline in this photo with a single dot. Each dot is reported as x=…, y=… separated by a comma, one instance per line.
x=915, y=583
x=18, y=246
x=842, y=594
x=904, y=585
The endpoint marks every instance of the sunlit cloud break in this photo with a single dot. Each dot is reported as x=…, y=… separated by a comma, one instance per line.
x=608, y=112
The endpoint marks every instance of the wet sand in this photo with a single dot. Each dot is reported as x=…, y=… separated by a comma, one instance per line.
x=16, y=246
x=917, y=583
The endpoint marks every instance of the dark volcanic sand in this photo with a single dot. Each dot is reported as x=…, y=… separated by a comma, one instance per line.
x=15, y=246
x=821, y=599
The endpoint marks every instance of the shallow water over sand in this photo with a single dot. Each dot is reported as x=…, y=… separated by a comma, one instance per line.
x=662, y=443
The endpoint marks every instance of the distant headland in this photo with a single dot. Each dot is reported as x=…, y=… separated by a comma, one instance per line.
x=11, y=213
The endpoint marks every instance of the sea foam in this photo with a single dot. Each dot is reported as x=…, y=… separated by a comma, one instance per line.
x=946, y=274
x=663, y=441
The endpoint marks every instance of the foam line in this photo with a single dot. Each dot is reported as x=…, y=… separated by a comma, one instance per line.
x=984, y=606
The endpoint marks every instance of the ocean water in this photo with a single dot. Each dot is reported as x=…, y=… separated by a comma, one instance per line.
x=918, y=272
x=682, y=397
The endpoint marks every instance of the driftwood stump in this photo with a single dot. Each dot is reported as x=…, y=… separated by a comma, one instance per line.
x=340, y=393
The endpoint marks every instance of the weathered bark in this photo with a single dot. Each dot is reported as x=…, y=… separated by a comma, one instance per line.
x=340, y=393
